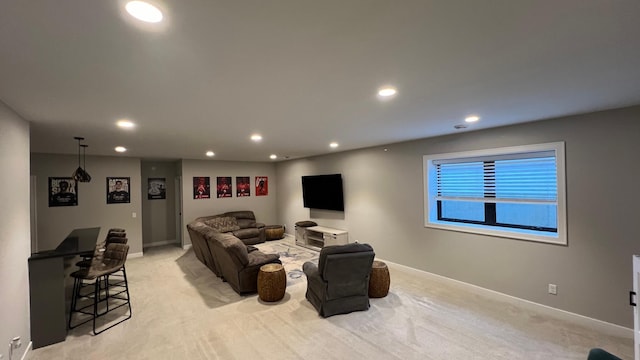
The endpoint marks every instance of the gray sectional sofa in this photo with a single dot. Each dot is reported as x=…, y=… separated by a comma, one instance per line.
x=245, y=227
x=222, y=242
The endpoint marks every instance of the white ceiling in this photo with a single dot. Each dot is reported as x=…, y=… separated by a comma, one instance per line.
x=304, y=73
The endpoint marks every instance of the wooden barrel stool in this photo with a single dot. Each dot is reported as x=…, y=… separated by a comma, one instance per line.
x=273, y=232
x=272, y=282
x=379, y=280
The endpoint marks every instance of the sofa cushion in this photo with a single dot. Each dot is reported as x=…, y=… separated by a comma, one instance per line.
x=246, y=233
x=306, y=223
x=243, y=214
x=245, y=218
x=202, y=228
x=236, y=249
x=223, y=224
x=246, y=223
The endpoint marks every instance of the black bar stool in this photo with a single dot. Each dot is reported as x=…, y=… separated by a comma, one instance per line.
x=112, y=261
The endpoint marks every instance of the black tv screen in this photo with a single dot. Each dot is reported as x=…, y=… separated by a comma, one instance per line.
x=323, y=192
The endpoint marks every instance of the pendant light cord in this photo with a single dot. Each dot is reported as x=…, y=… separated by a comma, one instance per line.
x=84, y=157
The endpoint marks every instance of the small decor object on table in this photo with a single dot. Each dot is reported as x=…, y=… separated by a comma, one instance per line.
x=379, y=280
x=272, y=282
x=118, y=190
x=273, y=232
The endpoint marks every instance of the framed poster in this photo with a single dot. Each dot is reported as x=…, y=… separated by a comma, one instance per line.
x=201, y=187
x=63, y=191
x=224, y=187
x=118, y=190
x=156, y=188
x=262, y=185
x=243, y=186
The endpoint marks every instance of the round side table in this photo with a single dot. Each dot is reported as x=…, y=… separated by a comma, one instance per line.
x=273, y=232
x=379, y=280
x=272, y=282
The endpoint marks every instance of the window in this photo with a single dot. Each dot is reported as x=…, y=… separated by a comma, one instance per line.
x=516, y=192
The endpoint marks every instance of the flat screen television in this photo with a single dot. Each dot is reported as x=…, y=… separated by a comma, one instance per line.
x=323, y=192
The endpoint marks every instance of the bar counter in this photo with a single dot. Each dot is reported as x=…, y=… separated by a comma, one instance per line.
x=50, y=285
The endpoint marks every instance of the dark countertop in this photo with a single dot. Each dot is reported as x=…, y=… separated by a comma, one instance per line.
x=78, y=242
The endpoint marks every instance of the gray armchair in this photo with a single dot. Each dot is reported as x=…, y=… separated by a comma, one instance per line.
x=339, y=284
x=599, y=354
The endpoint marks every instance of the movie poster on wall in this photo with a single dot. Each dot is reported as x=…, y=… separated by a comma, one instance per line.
x=225, y=188
x=262, y=185
x=63, y=191
x=157, y=189
x=201, y=187
x=243, y=186
x=118, y=190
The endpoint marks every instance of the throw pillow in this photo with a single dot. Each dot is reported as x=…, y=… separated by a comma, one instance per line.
x=306, y=223
x=223, y=224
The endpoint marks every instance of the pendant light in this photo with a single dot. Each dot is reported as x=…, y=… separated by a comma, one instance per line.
x=87, y=177
x=81, y=175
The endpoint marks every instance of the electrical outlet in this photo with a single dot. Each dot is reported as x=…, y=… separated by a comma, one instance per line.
x=553, y=289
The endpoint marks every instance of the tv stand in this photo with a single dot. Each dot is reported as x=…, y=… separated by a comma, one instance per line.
x=316, y=237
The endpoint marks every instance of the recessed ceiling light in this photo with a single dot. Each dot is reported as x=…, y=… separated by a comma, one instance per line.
x=472, y=118
x=273, y=156
x=387, y=91
x=125, y=124
x=144, y=11
x=121, y=149
x=256, y=137
x=210, y=153
x=333, y=145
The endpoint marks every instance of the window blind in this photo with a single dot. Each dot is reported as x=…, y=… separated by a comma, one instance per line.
x=516, y=178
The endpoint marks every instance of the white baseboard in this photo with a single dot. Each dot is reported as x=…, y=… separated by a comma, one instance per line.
x=603, y=326
x=186, y=247
x=160, y=243
x=290, y=238
x=26, y=351
x=134, y=255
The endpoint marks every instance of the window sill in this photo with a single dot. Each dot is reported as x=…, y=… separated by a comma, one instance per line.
x=527, y=235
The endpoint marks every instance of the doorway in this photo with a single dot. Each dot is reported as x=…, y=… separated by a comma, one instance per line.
x=159, y=203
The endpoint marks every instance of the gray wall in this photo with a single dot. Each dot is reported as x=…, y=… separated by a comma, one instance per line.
x=158, y=216
x=384, y=207
x=55, y=223
x=15, y=243
x=264, y=207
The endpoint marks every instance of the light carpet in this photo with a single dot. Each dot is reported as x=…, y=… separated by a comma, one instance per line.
x=182, y=311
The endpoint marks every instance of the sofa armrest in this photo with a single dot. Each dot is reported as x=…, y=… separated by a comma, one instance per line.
x=256, y=225
x=599, y=354
x=258, y=258
x=310, y=269
x=315, y=283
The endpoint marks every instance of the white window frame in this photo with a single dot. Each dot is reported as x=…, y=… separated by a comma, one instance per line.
x=430, y=191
